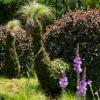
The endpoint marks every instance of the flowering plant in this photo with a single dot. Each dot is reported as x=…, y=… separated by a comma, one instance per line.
x=63, y=81
x=82, y=84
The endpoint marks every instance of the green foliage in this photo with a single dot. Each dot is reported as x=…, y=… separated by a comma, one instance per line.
x=47, y=73
x=13, y=25
x=23, y=46
x=35, y=11
x=12, y=64
x=9, y=8
x=15, y=89
x=61, y=64
x=82, y=27
x=6, y=97
x=93, y=3
x=63, y=6
x=6, y=1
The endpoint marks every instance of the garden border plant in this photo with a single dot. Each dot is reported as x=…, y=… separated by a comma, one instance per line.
x=82, y=83
x=78, y=26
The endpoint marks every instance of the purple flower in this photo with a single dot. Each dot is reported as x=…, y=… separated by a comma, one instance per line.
x=82, y=88
x=96, y=93
x=77, y=64
x=63, y=81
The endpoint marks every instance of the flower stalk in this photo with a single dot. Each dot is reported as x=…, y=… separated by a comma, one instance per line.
x=96, y=93
x=90, y=85
x=63, y=83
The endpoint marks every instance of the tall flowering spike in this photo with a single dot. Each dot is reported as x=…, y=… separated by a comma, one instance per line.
x=77, y=64
x=63, y=81
x=82, y=88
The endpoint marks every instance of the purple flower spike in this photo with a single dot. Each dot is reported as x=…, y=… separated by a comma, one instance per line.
x=82, y=88
x=77, y=64
x=63, y=81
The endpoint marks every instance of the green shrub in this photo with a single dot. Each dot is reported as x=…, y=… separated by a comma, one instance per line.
x=23, y=47
x=12, y=65
x=74, y=27
x=48, y=74
x=6, y=97
x=2, y=49
x=9, y=7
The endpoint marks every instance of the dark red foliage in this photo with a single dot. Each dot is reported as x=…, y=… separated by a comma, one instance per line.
x=81, y=27
x=73, y=27
x=74, y=17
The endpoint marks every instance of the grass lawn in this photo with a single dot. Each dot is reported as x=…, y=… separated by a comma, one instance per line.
x=21, y=89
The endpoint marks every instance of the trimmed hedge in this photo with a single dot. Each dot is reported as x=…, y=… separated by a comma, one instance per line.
x=79, y=26
x=24, y=50
x=48, y=72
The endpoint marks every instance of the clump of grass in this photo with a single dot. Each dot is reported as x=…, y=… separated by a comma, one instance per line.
x=13, y=24
x=8, y=87
x=67, y=96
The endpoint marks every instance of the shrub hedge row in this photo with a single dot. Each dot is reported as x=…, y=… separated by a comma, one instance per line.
x=81, y=27
x=24, y=50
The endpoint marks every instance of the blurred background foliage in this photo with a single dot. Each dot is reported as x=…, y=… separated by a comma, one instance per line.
x=9, y=7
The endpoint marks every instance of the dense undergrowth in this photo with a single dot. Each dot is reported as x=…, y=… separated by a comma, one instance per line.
x=81, y=27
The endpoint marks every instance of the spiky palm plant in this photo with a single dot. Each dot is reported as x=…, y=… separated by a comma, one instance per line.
x=13, y=25
x=47, y=72
x=12, y=67
x=35, y=11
